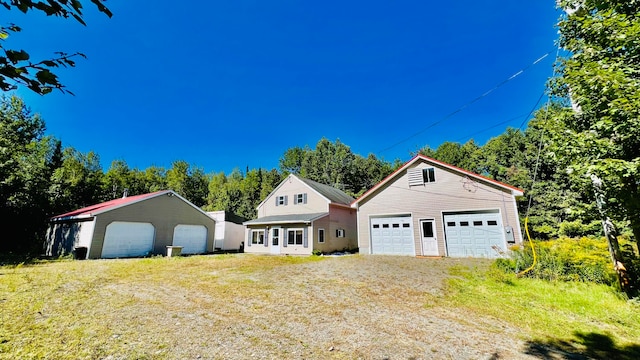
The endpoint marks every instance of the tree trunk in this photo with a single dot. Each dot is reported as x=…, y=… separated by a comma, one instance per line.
x=611, y=234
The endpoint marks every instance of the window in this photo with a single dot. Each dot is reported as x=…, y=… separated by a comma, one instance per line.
x=418, y=176
x=275, y=236
x=300, y=199
x=376, y=226
x=281, y=200
x=406, y=225
x=477, y=223
x=464, y=223
x=385, y=226
x=492, y=222
x=429, y=175
x=451, y=223
x=340, y=232
x=294, y=237
x=257, y=236
x=320, y=235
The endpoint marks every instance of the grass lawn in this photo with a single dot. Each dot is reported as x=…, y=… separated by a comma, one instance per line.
x=245, y=306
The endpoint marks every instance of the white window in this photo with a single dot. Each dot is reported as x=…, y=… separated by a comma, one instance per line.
x=294, y=237
x=340, y=233
x=257, y=236
x=300, y=198
x=320, y=235
x=429, y=175
x=281, y=200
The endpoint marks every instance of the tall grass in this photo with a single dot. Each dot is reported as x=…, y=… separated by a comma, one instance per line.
x=565, y=259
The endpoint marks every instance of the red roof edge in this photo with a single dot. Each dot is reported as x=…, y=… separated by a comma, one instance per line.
x=413, y=159
x=107, y=205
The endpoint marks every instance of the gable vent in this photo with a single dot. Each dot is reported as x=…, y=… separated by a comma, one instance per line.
x=415, y=176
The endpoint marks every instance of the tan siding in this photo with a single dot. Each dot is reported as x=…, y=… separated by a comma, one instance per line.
x=164, y=212
x=339, y=218
x=450, y=192
x=315, y=202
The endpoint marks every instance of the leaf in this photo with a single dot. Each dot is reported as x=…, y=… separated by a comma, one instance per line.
x=16, y=56
x=47, y=77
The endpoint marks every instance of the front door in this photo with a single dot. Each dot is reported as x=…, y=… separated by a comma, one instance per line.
x=276, y=235
x=429, y=240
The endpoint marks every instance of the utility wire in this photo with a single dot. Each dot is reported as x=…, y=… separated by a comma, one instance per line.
x=467, y=104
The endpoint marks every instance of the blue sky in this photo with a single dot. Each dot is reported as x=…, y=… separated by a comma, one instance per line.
x=225, y=84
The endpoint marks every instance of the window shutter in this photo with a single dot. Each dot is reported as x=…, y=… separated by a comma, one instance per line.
x=286, y=197
x=285, y=237
x=304, y=198
x=337, y=232
x=295, y=199
x=248, y=237
x=277, y=200
x=305, y=237
x=415, y=177
x=266, y=237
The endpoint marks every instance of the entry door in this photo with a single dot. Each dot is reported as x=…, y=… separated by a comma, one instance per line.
x=429, y=240
x=276, y=238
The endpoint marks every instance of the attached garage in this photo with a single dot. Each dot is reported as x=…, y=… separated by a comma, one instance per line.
x=128, y=239
x=474, y=234
x=192, y=238
x=392, y=235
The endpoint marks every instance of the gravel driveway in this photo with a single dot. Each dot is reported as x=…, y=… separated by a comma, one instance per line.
x=348, y=307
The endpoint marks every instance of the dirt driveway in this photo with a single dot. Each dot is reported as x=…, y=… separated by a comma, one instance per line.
x=349, y=307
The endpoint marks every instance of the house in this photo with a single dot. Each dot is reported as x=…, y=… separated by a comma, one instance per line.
x=229, y=231
x=301, y=216
x=430, y=208
x=132, y=226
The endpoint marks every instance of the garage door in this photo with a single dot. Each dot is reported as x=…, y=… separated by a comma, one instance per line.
x=392, y=236
x=192, y=238
x=128, y=239
x=473, y=234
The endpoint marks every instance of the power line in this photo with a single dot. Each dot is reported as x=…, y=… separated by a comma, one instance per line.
x=468, y=103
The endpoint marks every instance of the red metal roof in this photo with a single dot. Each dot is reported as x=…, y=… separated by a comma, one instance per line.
x=108, y=205
x=428, y=159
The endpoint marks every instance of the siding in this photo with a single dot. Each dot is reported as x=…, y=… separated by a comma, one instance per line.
x=164, y=212
x=447, y=193
x=289, y=249
x=315, y=202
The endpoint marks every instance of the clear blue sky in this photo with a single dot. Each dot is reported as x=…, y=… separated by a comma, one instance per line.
x=225, y=84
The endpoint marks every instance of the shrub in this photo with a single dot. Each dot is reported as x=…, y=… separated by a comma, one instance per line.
x=564, y=259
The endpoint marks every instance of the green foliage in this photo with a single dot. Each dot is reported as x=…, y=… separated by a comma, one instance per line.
x=15, y=65
x=600, y=79
x=565, y=259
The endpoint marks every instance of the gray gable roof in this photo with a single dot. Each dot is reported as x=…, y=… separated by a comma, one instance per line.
x=331, y=193
x=286, y=219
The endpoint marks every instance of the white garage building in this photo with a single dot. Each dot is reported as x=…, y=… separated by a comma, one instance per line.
x=131, y=227
x=430, y=208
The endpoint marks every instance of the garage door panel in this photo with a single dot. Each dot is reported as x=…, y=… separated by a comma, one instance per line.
x=473, y=235
x=192, y=238
x=128, y=239
x=392, y=235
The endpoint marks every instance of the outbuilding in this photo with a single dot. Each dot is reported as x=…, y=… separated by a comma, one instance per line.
x=132, y=226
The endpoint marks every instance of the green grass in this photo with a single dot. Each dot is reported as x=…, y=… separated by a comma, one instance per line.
x=575, y=317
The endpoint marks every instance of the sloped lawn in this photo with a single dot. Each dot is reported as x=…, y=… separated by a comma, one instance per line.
x=274, y=307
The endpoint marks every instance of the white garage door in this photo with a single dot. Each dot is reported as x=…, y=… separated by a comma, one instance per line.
x=128, y=239
x=192, y=238
x=473, y=234
x=392, y=236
